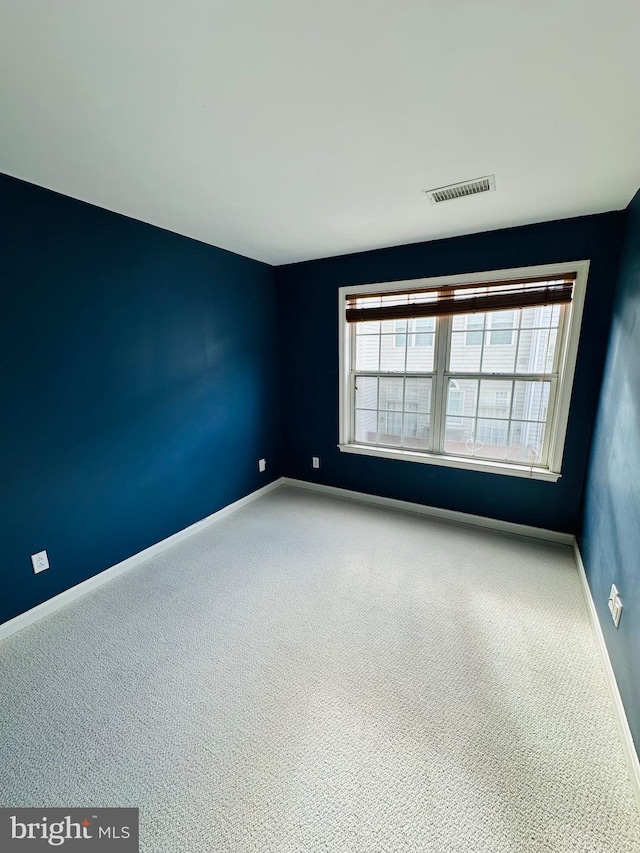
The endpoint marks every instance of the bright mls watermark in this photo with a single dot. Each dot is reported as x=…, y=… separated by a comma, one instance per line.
x=70, y=829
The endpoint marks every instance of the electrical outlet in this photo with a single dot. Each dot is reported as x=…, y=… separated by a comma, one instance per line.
x=315, y=461
x=262, y=464
x=40, y=561
x=615, y=605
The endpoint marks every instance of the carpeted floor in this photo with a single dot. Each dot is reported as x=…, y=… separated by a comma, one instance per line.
x=313, y=674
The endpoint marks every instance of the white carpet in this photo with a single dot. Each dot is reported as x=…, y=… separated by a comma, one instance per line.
x=311, y=675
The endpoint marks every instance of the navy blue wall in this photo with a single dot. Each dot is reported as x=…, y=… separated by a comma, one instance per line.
x=308, y=300
x=138, y=392
x=610, y=537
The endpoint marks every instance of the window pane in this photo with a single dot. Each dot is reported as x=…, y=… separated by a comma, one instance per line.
x=392, y=353
x=366, y=392
x=500, y=346
x=491, y=438
x=367, y=352
x=501, y=338
x=462, y=397
x=366, y=426
x=370, y=328
x=531, y=400
x=455, y=403
x=423, y=340
x=420, y=353
x=417, y=395
x=474, y=324
x=391, y=394
x=538, y=339
x=499, y=351
x=465, y=357
x=529, y=318
x=545, y=349
x=415, y=432
x=503, y=319
x=544, y=316
x=458, y=438
x=536, y=350
x=390, y=428
x=495, y=398
x=474, y=321
x=526, y=442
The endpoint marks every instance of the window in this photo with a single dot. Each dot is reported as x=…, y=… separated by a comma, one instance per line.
x=463, y=371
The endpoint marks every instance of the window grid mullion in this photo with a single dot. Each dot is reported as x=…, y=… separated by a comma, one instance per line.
x=524, y=377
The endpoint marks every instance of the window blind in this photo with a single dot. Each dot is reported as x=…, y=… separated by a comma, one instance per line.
x=460, y=299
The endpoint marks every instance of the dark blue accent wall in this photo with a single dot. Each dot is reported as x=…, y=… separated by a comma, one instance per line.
x=308, y=300
x=610, y=537
x=139, y=387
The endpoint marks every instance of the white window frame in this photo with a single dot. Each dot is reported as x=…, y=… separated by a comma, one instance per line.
x=565, y=358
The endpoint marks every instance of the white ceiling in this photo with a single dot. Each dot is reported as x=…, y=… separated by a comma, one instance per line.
x=294, y=129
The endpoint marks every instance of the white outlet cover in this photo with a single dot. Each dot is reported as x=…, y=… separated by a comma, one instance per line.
x=316, y=461
x=615, y=605
x=262, y=464
x=39, y=561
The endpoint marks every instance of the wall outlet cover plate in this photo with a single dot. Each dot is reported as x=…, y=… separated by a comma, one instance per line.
x=39, y=561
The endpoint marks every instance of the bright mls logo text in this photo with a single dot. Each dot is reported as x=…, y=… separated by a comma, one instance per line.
x=33, y=830
x=56, y=833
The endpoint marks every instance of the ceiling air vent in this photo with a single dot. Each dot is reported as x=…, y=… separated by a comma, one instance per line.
x=465, y=188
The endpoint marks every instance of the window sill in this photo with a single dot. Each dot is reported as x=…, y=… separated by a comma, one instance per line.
x=453, y=462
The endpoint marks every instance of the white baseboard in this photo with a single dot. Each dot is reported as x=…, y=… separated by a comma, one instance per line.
x=436, y=512
x=40, y=610
x=630, y=753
